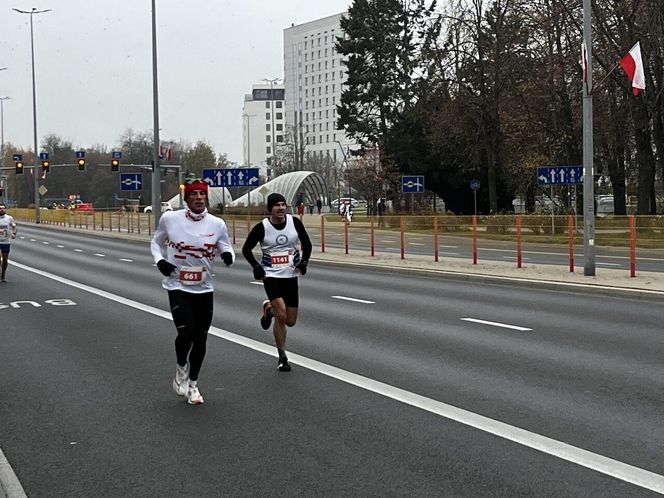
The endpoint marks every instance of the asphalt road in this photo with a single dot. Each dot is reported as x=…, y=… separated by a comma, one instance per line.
x=401, y=386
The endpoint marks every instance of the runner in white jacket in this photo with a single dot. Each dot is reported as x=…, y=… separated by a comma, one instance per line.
x=193, y=238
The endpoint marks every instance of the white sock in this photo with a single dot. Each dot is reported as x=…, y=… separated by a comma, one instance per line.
x=193, y=383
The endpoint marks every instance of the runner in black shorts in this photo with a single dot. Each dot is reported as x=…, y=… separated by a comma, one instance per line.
x=280, y=236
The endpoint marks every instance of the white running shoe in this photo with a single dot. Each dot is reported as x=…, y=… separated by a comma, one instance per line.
x=194, y=396
x=181, y=380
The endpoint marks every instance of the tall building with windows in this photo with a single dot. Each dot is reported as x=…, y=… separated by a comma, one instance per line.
x=313, y=79
x=263, y=125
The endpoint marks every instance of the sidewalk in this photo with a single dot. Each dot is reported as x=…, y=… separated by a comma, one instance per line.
x=606, y=281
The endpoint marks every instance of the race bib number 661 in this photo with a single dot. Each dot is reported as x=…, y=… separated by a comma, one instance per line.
x=191, y=275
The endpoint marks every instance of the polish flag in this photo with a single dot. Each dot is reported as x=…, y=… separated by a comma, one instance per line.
x=584, y=61
x=632, y=64
x=161, y=151
x=169, y=154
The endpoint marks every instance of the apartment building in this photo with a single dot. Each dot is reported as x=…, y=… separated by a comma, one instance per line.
x=313, y=80
x=263, y=125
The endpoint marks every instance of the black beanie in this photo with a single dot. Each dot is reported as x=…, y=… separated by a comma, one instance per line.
x=272, y=199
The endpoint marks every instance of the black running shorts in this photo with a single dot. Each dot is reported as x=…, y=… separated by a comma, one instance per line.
x=285, y=288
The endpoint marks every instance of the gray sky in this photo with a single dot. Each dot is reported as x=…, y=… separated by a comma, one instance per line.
x=94, y=66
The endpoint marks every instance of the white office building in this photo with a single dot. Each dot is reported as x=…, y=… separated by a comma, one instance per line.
x=313, y=79
x=263, y=125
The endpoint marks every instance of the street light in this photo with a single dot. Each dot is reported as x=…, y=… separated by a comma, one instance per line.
x=2, y=128
x=156, y=173
x=35, y=170
x=272, y=82
x=248, y=116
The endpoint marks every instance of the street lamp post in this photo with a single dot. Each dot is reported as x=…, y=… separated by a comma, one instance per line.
x=35, y=169
x=2, y=130
x=248, y=116
x=156, y=173
x=588, y=167
x=274, y=145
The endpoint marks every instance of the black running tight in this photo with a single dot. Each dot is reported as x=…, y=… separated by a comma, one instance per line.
x=192, y=316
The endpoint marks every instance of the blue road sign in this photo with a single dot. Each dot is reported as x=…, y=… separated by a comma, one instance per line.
x=17, y=157
x=475, y=184
x=559, y=175
x=43, y=156
x=116, y=154
x=80, y=154
x=410, y=184
x=131, y=181
x=231, y=177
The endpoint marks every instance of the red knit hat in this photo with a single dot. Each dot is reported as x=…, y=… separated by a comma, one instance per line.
x=195, y=185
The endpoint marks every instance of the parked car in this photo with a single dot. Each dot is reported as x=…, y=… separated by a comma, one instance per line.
x=344, y=200
x=165, y=206
x=81, y=206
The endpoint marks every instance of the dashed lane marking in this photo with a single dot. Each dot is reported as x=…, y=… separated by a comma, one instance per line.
x=355, y=300
x=497, y=324
x=599, y=463
x=78, y=250
x=100, y=255
x=127, y=260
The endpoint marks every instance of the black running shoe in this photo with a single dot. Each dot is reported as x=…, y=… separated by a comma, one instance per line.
x=266, y=317
x=283, y=364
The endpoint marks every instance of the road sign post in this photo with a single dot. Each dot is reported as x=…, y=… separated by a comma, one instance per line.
x=412, y=185
x=131, y=181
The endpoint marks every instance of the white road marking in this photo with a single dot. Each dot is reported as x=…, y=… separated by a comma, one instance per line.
x=450, y=247
x=59, y=246
x=78, y=250
x=256, y=283
x=344, y=298
x=33, y=240
x=496, y=324
x=45, y=243
x=608, y=264
x=100, y=255
x=449, y=253
x=416, y=244
x=514, y=258
x=598, y=463
x=127, y=260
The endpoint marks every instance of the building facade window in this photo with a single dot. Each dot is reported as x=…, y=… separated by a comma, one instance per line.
x=280, y=104
x=268, y=138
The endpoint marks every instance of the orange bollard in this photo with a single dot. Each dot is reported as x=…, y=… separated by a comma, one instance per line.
x=403, y=249
x=474, y=239
x=435, y=238
x=518, y=241
x=570, y=230
x=632, y=246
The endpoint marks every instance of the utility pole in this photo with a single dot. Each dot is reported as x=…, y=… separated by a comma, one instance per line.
x=35, y=167
x=588, y=167
x=156, y=170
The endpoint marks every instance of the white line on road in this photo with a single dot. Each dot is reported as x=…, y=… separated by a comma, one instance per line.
x=60, y=246
x=496, y=324
x=100, y=255
x=608, y=264
x=416, y=244
x=33, y=240
x=344, y=298
x=256, y=283
x=449, y=247
x=78, y=250
x=513, y=258
x=599, y=463
x=45, y=243
x=127, y=260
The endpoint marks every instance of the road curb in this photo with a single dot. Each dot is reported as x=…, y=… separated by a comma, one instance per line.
x=599, y=289
x=10, y=486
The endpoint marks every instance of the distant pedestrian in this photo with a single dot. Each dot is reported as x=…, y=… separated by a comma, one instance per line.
x=7, y=233
x=300, y=209
x=381, y=212
x=311, y=208
x=319, y=205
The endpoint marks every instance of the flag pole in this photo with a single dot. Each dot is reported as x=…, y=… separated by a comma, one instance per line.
x=608, y=74
x=588, y=168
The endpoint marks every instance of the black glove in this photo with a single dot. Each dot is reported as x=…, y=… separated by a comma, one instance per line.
x=227, y=258
x=259, y=272
x=302, y=266
x=165, y=267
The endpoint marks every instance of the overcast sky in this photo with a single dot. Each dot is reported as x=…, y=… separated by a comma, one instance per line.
x=94, y=66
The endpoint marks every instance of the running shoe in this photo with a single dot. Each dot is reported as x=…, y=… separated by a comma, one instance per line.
x=266, y=317
x=181, y=380
x=194, y=396
x=283, y=364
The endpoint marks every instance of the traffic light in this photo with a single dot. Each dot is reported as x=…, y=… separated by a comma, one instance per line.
x=115, y=165
x=46, y=166
x=19, y=167
x=81, y=164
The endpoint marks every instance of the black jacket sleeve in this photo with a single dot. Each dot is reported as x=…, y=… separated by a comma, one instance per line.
x=255, y=237
x=304, y=238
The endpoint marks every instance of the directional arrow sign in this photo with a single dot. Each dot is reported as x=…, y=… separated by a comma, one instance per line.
x=231, y=177
x=17, y=157
x=559, y=175
x=131, y=181
x=412, y=184
x=43, y=156
x=80, y=154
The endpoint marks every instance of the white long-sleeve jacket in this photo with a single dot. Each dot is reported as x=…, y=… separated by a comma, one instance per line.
x=191, y=246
